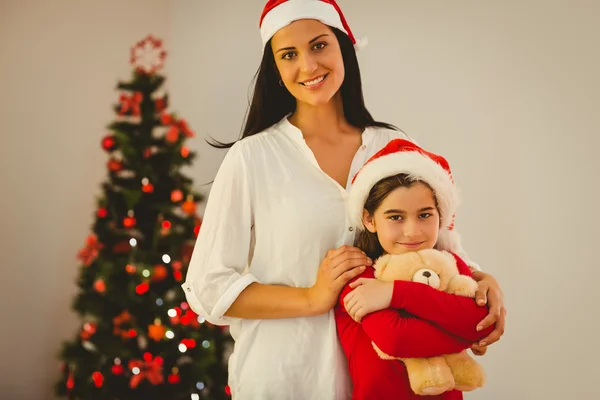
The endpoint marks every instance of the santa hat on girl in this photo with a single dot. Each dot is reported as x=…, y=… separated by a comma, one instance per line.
x=278, y=14
x=404, y=157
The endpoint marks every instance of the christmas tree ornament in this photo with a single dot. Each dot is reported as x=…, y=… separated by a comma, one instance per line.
x=90, y=251
x=109, y=143
x=149, y=368
x=121, y=247
x=174, y=377
x=160, y=104
x=129, y=221
x=185, y=152
x=156, y=331
x=117, y=369
x=176, y=196
x=148, y=56
x=147, y=187
x=142, y=288
x=189, y=206
x=98, y=379
x=142, y=342
x=87, y=331
x=114, y=165
x=100, y=285
x=159, y=273
x=130, y=104
x=102, y=212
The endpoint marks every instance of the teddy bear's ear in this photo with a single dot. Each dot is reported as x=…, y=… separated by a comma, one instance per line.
x=381, y=264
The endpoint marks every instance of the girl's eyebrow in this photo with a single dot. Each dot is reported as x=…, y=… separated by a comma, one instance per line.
x=398, y=211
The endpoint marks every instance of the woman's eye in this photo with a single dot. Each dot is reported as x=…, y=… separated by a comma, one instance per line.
x=395, y=217
x=320, y=46
x=288, y=56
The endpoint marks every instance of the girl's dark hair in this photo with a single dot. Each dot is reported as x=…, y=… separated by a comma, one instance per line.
x=271, y=102
x=367, y=241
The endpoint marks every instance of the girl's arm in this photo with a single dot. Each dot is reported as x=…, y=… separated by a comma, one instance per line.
x=456, y=314
x=405, y=336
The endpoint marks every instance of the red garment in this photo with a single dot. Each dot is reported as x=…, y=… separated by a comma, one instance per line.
x=421, y=322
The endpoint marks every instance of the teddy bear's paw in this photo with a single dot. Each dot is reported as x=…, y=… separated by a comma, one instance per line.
x=435, y=390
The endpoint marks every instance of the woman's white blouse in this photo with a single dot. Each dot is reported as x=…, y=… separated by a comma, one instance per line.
x=271, y=216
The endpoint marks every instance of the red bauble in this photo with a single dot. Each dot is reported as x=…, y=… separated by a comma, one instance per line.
x=108, y=143
x=102, y=212
x=129, y=222
x=185, y=152
x=118, y=369
x=174, y=379
x=100, y=286
x=159, y=273
x=98, y=379
x=130, y=268
x=228, y=390
x=178, y=276
x=114, y=165
x=176, y=196
x=142, y=288
x=148, y=188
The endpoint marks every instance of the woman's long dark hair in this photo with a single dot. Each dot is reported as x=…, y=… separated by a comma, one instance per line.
x=368, y=241
x=271, y=102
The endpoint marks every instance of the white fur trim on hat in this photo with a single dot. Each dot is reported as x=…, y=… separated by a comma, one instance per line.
x=415, y=165
x=294, y=10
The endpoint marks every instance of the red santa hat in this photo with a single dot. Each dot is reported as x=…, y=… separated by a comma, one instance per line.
x=404, y=157
x=278, y=14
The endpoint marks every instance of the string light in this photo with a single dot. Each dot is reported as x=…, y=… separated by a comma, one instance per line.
x=132, y=242
x=146, y=273
x=200, y=385
x=182, y=347
x=159, y=302
x=172, y=313
x=169, y=334
x=195, y=396
x=206, y=344
x=166, y=259
x=135, y=370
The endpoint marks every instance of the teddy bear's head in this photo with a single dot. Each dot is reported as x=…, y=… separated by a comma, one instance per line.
x=431, y=267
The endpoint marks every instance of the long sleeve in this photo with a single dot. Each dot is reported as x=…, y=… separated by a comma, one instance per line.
x=216, y=274
x=405, y=336
x=455, y=314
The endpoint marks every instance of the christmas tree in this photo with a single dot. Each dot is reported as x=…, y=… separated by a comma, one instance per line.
x=139, y=339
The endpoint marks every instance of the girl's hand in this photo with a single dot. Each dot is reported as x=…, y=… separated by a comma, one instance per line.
x=369, y=295
x=489, y=293
x=339, y=266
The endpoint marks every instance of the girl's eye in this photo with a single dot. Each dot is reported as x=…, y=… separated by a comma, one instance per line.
x=396, y=217
x=320, y=46
x=425, y=215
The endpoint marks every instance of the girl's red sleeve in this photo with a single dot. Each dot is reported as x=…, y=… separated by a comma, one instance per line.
x=455, y=314
x=405, y=336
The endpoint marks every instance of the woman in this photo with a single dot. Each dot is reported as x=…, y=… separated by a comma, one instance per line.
x=275, y=248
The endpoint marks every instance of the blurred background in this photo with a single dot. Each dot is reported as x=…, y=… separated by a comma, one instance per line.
x=508, y=91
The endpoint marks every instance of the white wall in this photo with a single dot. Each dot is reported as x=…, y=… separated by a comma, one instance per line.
x=508, y=91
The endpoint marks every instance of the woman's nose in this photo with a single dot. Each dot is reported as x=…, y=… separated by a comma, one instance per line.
x=308, y=64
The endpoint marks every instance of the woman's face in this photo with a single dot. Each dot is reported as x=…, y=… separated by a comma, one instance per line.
x=407, y=220
x=308, y=57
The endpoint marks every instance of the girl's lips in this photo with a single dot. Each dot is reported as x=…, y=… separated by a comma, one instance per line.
x=412, y=244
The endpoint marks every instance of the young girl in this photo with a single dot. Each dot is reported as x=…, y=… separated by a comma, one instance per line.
x=403, y=200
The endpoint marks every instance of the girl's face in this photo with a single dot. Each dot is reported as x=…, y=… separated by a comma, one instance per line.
x=407, y=220
x=308, y=57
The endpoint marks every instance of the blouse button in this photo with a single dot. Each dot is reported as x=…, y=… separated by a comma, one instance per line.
x=351, y=229
x=189, y=289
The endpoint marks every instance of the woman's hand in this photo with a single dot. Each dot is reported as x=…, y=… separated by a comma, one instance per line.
x=338, y=267
x=369, y=295
x=489, y=292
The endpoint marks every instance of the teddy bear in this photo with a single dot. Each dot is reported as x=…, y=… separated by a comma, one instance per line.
x=438, y=269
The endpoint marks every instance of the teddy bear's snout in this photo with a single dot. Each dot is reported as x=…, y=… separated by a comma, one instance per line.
x=428, y=277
